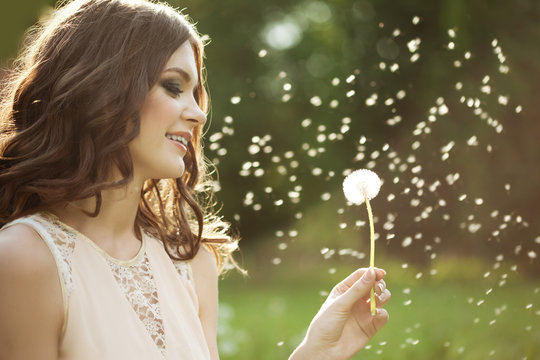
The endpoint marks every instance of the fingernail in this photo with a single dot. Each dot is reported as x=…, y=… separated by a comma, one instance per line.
x=368, y=275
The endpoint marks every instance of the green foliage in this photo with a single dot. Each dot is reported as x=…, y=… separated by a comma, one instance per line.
x=359, y=38
x=331, y=58
x=445, y=317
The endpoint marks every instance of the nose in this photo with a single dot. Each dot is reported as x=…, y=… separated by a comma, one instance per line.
x=193, y=113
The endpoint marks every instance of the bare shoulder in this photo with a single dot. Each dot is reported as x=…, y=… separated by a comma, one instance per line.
x=31, y=305
x=21, y=248
x=204, y=262
x=205, y=278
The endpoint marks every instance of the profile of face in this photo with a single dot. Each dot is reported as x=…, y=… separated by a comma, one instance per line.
x=168, y=116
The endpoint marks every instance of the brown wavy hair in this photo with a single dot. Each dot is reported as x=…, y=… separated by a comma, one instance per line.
x=70, y=107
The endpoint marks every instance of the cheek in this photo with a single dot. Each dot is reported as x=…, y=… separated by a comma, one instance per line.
x=158, y=110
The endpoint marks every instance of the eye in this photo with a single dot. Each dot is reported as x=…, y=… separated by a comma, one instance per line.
x=172, y=87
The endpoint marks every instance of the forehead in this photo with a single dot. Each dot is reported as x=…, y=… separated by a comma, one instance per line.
x=184, y=58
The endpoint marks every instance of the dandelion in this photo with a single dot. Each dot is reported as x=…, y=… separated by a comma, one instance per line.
x=361, y=186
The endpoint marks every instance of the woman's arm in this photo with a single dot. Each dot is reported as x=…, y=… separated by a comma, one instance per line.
x=344, y=324
x=205, y=276
x=31, y=305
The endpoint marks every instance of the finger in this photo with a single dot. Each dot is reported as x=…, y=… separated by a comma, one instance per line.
x=380, y=319
x=349, y=281
x=380, y=286
x=383, y=298
x=381, y=273
x=360, y=289
x=353, y=278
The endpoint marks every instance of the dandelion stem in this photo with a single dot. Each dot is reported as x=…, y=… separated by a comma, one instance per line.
x=371, y=251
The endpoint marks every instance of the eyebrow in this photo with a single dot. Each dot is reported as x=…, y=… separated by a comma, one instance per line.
x=183, y=74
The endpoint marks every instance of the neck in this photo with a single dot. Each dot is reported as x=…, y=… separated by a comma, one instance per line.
x=115, y=222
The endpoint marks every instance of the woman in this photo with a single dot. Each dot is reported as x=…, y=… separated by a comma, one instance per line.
x=108, y=249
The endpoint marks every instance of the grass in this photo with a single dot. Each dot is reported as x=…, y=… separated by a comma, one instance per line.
x=444, y=316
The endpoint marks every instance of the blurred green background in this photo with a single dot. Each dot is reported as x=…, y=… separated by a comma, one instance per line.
x=439, y=98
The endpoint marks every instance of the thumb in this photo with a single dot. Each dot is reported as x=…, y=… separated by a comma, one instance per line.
x=359, y=289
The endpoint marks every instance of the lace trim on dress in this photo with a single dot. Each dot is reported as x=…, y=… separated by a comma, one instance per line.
x=184, y=270
x=138, y=285
x=63, y=244
x=183, y=267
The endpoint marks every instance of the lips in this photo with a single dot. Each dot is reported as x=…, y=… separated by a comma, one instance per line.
x=180, y=139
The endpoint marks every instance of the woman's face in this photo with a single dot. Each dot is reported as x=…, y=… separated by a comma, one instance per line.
x=168, y=116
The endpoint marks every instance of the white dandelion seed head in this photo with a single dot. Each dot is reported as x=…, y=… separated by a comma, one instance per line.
x=361, y=184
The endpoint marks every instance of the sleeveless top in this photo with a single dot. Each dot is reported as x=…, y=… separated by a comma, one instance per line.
x=145, y=308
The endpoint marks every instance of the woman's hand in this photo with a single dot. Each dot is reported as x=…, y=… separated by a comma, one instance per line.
x=344, y=324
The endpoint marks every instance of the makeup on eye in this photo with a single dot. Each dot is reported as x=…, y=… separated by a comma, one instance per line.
x=172, y=86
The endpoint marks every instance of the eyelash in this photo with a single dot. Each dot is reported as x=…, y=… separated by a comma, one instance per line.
x=172, y=87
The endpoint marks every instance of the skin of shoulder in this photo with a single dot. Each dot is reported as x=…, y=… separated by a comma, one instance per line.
x=205, y=277
x=31, y=304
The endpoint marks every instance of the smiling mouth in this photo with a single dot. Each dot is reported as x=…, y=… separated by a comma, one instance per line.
x=178, y=140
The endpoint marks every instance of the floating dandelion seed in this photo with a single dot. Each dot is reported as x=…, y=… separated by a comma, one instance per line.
x=413, y=45
x=315, y=101
x=361, y=186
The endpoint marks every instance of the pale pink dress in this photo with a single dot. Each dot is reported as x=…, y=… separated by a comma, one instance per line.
x=145, y=308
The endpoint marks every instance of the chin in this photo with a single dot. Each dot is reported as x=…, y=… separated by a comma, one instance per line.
x=178, y=171
x=168, y=171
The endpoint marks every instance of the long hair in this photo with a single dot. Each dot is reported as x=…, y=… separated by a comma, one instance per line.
x=70, y=107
